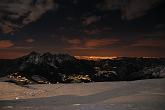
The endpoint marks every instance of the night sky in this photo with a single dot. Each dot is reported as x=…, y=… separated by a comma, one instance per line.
x=83, y=27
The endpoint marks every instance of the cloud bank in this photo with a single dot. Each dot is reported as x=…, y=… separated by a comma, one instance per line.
x=92, y=43
x=6, y=44
x=130, y=9
x=15, y=14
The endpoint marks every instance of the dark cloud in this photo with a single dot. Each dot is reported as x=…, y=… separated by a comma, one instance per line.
x=92, y=31
x=160, y=26
x=75, y=1
x=14, y=14
x=130, y=9
x=91, y=19
x=96, y=30
x=7, y=28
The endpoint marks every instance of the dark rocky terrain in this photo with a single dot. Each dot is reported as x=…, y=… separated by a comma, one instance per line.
x=63, y=68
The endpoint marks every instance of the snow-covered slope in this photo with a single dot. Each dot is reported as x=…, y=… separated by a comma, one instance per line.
x=132, y=95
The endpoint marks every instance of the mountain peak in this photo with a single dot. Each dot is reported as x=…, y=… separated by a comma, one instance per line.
x=47, y=58
x=47, y=54
x=33, y=53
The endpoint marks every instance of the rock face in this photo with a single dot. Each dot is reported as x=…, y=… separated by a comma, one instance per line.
x=54, y=68
x=47, y=58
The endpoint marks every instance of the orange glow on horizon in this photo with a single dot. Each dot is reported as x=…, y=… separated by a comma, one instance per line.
x=95, y=57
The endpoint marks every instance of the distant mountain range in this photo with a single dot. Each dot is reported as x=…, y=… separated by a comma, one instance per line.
x=64, y=68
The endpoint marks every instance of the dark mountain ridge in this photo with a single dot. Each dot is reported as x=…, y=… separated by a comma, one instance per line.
x=64, y=68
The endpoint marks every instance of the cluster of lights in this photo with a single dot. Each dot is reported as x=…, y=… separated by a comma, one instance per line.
x=94, y=57
x=19, y=78
x=79, y=77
